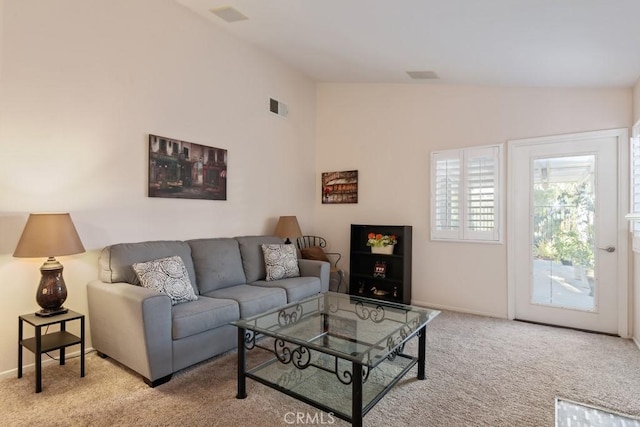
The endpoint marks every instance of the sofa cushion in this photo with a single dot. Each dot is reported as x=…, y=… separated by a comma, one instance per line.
x=297, y=288
x=202, y=315
x=281, y=261
x=168, y=276
x=116, y=261
x=217, y=263
x=252, y=299
x=252, y=256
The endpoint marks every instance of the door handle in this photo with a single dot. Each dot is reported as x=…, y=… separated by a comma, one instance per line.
x=608, y=249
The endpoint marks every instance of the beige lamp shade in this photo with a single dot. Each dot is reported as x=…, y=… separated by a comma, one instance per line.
x=288, y=228
x=48, y=235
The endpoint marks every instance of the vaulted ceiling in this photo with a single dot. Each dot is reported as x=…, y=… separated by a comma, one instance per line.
x=567, y=43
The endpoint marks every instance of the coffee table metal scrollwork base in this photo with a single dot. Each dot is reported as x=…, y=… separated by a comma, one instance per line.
x=338, y=353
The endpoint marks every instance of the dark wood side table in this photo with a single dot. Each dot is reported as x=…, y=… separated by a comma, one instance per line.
x=58, y=340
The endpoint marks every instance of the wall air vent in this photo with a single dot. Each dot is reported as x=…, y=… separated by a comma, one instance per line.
x=279, y=108
x=422, y=75
x=228, y=14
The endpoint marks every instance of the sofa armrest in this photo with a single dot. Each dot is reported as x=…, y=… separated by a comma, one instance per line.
x=319, y=269
x=132, y=325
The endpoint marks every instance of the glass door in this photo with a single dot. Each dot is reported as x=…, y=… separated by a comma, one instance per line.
x=565, y=265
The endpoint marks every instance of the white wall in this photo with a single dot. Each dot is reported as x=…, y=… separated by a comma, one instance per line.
x=1, y=32
x=387, y=132
x=84, y=83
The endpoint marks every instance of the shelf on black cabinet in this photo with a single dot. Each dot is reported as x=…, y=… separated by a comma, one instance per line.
x=379, y=255
x=391, y=298
x=373, y=278
x=398, y=265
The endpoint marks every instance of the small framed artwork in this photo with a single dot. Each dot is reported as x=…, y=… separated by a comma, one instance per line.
x=340, y=187
x=184, y=170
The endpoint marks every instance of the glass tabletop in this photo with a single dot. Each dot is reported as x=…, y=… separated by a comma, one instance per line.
x=349, y=327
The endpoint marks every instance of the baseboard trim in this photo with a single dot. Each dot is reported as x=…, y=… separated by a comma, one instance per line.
x=635, y=340
x=456, y=309
x=45, y=361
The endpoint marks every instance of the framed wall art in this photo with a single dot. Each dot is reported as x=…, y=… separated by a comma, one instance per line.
x=340, y=187
x=184, y=170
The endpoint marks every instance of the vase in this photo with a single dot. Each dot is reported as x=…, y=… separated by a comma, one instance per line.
x=387, y=250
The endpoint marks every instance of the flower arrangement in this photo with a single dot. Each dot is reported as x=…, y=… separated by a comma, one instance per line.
x=381, y=240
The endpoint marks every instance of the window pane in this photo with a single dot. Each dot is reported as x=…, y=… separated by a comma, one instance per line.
x=562, y=238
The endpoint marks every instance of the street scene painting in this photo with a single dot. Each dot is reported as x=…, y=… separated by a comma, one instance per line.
x=184, y=170
x=340, y=187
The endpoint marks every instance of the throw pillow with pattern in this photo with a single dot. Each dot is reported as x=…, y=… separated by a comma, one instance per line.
x=168, y=276
x=281, y=261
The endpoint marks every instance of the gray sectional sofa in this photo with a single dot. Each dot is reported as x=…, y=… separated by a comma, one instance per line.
x=141, y=329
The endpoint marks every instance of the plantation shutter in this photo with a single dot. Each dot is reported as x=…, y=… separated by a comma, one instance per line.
x=445, y=194
x=465, y=194
x=481, y=178
x=635, y=181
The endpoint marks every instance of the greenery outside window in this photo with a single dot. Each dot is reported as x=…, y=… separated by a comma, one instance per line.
x=563, y=222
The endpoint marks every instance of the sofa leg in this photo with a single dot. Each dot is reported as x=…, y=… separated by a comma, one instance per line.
x=101, y=354
x=158, y=382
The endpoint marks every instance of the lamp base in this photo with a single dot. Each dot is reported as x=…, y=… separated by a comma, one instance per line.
x=52, y=292
x=49, y=313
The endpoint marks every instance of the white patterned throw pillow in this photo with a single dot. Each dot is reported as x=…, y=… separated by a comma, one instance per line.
x=168, y=276
x=281, y=261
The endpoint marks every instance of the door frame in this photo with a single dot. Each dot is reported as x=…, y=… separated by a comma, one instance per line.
x=622, y=240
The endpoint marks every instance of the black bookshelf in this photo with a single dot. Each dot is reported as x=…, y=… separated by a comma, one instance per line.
x=364, y=280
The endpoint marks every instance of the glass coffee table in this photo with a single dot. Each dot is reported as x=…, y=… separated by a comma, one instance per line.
x=336, y=352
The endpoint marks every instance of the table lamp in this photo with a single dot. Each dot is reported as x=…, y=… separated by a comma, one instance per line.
x=288, y=228
x=49, y=235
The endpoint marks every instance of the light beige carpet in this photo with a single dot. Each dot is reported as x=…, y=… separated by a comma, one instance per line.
x=480, y=372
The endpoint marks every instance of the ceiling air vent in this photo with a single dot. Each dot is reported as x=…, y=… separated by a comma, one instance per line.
x=279, y=108
x=228, y=13
x=422, y=75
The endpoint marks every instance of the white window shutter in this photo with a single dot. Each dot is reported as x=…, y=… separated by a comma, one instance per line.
x=482, y=178
x=466, y=192
x=446, y=200
x=635, y=182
